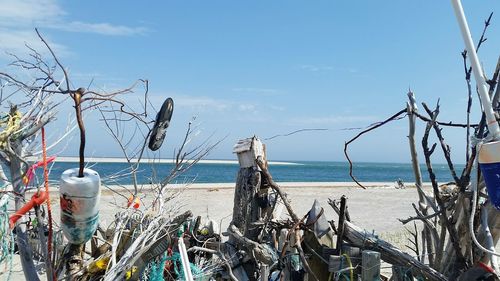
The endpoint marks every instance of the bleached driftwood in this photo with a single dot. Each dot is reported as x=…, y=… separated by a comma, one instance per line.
x=389, y=253
x=424, y=201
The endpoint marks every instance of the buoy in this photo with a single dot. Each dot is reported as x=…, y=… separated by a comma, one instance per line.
x=489, y=162
x=79, y=201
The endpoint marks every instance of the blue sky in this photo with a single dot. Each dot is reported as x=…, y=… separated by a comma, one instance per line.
x=267, y=67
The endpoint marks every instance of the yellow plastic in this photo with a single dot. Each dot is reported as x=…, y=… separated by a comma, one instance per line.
x=12, y=125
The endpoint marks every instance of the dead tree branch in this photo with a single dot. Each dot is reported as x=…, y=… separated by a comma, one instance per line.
x=444, y=217
x=371, y=128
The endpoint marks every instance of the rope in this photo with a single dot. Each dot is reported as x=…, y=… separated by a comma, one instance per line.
x=473, y=213
x=46, y=183
x=342, y=269
x=6, y=237
x=12, y=125
x=156, y=273
x=176, y=259
x=351, y=272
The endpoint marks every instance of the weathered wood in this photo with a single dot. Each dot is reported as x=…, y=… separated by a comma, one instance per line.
x=340, y=263
x=461, y=214
x=246, y=209
x=423, y=200
x=264, y=273
x=318, y=263
x=340, y=229
x=269, y=181
x=25, y=251
x=248, y=150
x=370, y=261
x=277, y=188
x=389, y=253
x=401, y=273
x=334, y=263
x=73, y=259
x=259, y=251
x=233, y=259
x=461, y=262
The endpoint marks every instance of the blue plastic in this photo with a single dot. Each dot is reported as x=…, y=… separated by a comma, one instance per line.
x=491, y=175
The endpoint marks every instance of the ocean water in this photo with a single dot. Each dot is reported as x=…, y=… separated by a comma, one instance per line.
x=226, y=173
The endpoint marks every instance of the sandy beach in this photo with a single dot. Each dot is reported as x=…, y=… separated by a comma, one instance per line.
x=376, y=208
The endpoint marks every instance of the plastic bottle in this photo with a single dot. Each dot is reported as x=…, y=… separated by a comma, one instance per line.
x=489, y=162
x=79, y=201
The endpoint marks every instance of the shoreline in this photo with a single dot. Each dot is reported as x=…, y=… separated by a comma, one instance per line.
x=67, y=159
x=231, y=185
x=293, y=185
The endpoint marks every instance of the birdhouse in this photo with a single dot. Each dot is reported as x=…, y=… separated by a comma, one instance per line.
x=248, y=150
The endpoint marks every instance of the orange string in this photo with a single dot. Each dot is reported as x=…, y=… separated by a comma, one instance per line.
x=46, y=181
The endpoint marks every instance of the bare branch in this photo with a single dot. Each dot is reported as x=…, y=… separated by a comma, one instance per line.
x=375, y=126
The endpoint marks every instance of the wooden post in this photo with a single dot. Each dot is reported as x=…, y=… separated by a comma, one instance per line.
x=25, y=251
x=370, y=261
x=264, y=273
x=340, y=230
x=246, y=209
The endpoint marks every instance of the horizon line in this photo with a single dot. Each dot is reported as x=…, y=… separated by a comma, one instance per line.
x=99, y=159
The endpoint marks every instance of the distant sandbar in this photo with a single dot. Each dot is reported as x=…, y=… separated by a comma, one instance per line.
x=148, y=160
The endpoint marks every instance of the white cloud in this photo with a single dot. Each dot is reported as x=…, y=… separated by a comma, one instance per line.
x=19, y=18
x=315, y=68
x=98, y=28
x=14, y=41
x=202, y=103
x=246, y=107
x=276, y=107
x=22, y=13
x=228, y=108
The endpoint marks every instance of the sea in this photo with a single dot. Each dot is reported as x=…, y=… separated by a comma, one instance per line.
x=290, y=171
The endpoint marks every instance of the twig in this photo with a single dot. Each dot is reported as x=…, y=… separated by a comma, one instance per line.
x=427, y=153
x=415, y=247
x=468, y=70
x=277, y=188
x=292, y=214
x=444, y=146
x=418, y=217
x=375, y=126
x=446, y=124
x=333, y=204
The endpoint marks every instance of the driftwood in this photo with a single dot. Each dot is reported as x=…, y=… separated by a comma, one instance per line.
x=389, y=253
x=424, y=202
x=246, y=211
x=249, y=188
x=293, y=215
x=260, y=252
x=245, y=208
